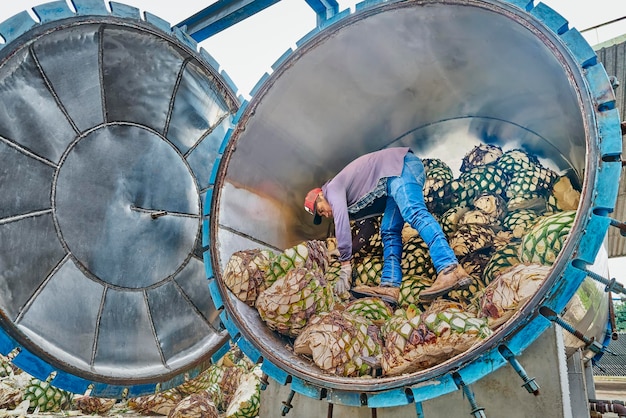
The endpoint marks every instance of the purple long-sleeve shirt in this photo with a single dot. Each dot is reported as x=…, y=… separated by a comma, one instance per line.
x=354, y=182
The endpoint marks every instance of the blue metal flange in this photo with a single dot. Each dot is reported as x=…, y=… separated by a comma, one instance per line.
x=580, y=49
x=305, y=388
x=394, y=397
x=281, y=59
x=433, y=388
x=16, y=26
x=90, y=7
x=125, y=11
x=525, y=5
x=275, y=372
x=550, y=18
x=313, y=32
x=259, y=84
x=187, y=40
x=52, y=11
x=591, y=223
x=335, y=18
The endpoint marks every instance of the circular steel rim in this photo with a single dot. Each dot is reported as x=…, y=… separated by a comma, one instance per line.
x=29, y=353
x=555, y=293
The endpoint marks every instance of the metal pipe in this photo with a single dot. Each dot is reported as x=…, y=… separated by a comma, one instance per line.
x=604, y=406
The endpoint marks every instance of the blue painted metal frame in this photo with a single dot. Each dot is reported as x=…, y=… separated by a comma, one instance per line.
x=596, y=220
x=609, y=170
x=225, y=13
x=221, y=15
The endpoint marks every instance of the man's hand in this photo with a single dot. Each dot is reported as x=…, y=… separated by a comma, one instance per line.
x=343, y=284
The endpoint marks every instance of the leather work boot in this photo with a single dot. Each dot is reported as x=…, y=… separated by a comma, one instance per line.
x=389, y=294
x=451, y=278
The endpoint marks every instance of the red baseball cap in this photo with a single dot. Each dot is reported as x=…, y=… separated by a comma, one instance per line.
x=310, y=205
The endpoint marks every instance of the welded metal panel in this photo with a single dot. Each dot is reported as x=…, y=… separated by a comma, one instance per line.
x=75, y=76
x=129, y=174
x=21, y=172
x=201, y=158
x=25, y=96
x=197, y=292
x=103, y=119
x=180, y=333
x=56, y=306
x=142, y=71
x=198, y=109
x=22, y=270
x=126, y=345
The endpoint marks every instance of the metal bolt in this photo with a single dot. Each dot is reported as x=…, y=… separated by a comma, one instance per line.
x=611, y=285
x=287, y=404
x=419, y=410
x=618, y=224
x=158, y=214
x=529, y=384
x=590, y=343
x=477, y=411
x=264, y=381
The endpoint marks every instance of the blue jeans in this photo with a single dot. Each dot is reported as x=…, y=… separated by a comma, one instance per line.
x=405, y=202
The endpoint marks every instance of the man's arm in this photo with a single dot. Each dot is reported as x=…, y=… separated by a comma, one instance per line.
x=336, y=196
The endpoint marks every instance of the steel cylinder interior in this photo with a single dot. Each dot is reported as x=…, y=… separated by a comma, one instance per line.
x=440, y=77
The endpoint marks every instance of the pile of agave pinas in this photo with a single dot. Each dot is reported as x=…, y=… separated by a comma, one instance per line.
x=506, y=216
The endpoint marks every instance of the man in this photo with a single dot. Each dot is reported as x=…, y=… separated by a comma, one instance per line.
x=389, y=181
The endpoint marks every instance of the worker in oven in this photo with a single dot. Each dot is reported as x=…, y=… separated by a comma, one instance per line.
x=388, y=182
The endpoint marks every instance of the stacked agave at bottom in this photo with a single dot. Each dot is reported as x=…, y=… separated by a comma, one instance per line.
x=229, y=388
x=506, y=216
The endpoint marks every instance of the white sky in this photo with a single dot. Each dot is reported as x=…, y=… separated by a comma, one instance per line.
x=247, y=50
